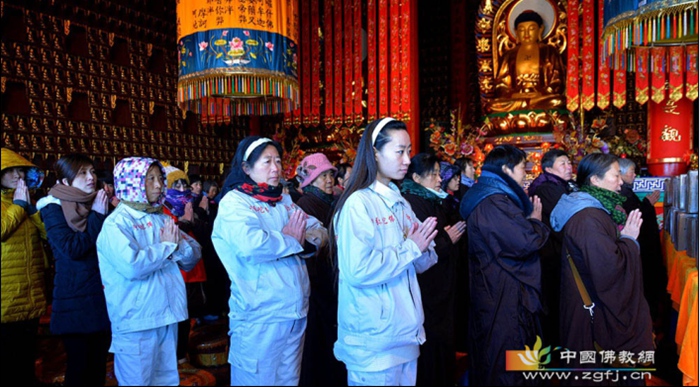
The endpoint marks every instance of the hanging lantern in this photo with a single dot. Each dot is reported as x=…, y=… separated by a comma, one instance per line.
x=237, y=59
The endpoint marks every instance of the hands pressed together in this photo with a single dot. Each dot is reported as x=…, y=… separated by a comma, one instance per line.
x=22, y=192
x=170, y=232
x=296, y=227
x=100, y=205
x=424, y=233
x=456, y=231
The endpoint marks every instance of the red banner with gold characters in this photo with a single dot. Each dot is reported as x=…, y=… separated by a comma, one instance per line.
x=405, y=66
x=371, y=60
x=328, y=63
x=588, y=56
x=603, y=95
x=357, y=59
x=394, y=65
x=691, y=72
x=383, y=68
x=642, y=75
x=658, y=74
x=620, y=81
x=675, y=73
x=572, y=53
x=348, y=15
x=338, y=61
x=305, y=57
x=315, y=65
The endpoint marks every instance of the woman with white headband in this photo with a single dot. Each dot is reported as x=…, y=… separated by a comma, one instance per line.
x=263, y=239
x=381, y=245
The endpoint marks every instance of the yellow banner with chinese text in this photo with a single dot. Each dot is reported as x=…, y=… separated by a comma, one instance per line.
x=277, y=16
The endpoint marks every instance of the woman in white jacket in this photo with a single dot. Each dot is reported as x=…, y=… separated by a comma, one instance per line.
x=381, y=245
x=140, y=252
x=263, y=239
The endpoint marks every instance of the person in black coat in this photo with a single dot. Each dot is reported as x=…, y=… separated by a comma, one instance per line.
x=73, y=214
x=505, y=234
x=653, y=269
x=549, y=186
x=422, y=189
x=319, y=367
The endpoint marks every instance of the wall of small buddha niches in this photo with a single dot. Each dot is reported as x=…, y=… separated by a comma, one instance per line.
x=100, y=78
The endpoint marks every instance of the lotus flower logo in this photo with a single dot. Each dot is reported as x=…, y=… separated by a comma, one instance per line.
x=537, y=356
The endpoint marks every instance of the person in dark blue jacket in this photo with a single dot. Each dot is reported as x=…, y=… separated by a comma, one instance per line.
x=73, y=213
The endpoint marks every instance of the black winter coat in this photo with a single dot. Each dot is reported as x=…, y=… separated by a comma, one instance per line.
x=79, y=304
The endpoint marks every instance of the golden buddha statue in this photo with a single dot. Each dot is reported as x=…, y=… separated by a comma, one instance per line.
x=530, y=76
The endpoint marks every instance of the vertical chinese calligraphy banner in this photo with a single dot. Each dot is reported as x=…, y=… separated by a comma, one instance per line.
x=675, y=73
x=691, y=72
x=572, y=53
x=239, y=50
x=588, y=56
x=371, y=60
x=328, y=62
x=620, y=80
x=642, y=75
x=603, y=94
x=658, y=74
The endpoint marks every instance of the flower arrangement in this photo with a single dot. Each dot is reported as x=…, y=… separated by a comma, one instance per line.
x=458, y=140
x=600, y=137
x=345, y=141
x=292, y=151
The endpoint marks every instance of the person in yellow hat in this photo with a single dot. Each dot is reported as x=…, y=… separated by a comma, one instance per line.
x=23, y=264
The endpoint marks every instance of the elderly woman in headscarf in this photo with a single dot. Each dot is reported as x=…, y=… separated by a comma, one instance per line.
x=319, y=366
x=141, y=251
x=263, y=240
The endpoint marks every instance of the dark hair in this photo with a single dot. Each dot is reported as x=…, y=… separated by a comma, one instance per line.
x=68, y=166
x=105, y=176
x=507, y=155
x=342, y=171
x=422, y=164
x=193, y=178
x=462, y=163
x=208, y=184
x=236, y=174
x=551, y=156
x=594, y=164
x=527, y=16
x=364, y=171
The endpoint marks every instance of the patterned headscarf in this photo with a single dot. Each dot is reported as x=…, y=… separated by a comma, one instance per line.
x=130, y=179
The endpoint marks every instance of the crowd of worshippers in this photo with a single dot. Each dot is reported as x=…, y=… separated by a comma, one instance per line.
x=375, y=273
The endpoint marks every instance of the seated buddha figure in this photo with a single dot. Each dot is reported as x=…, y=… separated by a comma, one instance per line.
x=531, y=74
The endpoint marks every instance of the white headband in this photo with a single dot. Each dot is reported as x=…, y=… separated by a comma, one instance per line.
x=254, y=145
x=379, y=127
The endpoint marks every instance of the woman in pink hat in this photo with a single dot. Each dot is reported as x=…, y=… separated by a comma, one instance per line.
x=319, y=366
